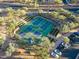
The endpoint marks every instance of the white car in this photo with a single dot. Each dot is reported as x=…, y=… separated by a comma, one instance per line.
x=56, y=53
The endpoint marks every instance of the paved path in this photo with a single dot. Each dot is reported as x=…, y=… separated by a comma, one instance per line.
x=52, y=6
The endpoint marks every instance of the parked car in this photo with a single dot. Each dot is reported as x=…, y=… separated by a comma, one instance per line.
x=59, y=46
x=74, y=37
x=56, y=53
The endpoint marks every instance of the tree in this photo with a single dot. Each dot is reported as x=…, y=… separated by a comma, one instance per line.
x=39, y=45
x=72, y=25
x=61, y=17
x=13, y=19
x=42, y=53
x=43, y=50
x=10, y=14
x=10, y=49
x=1, y=40
x=20, y=12
x=55, y=14
x=58, y=1
x=66, y=39
x=65, y=28
x=29, y=39
x=11, y=26
x=1, y=20
x=67, y=18
x=36, y=3
x=64, y=12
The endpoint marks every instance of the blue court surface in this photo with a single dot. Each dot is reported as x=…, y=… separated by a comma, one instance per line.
x=38, y=26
